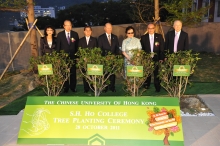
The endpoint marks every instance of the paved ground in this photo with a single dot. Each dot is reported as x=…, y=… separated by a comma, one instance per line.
x=198, y=131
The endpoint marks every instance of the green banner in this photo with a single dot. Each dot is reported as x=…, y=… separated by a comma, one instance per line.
x=94, y=69
x=120, y=121
x=45, y=69
x=181, y=70
x=134, y=71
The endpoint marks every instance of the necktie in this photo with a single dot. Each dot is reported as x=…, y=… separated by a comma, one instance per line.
x=151, y=46
x=175, y=42
x=68, y=38
x=87, y=41
x=151, y=43
x=109, y=39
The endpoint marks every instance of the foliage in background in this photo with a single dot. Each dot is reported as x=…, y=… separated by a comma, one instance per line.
x=185, y=11
x=12, y=5
x=61, y=63
x=133, y=84
x=97, y=13
x=170, y=10
x=112, y=64
x=176, y=86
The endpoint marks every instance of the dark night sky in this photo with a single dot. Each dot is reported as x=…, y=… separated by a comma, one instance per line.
x=7, y=17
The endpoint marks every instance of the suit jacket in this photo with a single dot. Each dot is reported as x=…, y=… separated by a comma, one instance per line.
x=183, y=42
x=92, y=42
x=106, y=47
x=44, y=47
x=62, y=43
x=158, y=46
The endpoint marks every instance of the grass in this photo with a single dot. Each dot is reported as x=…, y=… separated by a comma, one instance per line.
x=205, y=80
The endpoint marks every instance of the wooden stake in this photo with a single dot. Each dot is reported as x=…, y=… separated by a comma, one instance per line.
x=18, y=49
x=35, y=27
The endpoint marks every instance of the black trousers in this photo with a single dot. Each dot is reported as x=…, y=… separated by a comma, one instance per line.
x=111, y=86
x=71, y=83
x=85, y=83
x=156, y=80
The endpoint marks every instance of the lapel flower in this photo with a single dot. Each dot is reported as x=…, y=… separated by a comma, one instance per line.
x=157, y=43
x=72, y=40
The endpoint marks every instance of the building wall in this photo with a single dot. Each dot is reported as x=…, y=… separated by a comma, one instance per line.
x=204, y=38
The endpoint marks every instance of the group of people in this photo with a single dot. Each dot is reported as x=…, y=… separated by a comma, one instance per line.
x=153, y=43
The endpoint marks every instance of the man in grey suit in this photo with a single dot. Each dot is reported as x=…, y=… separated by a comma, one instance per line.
x=176, y=40
x=87, y=42
x=67, y=40
x=108, y=42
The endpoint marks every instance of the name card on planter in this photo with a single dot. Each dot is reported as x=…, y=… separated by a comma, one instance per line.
x=121, y=121
x=181, y=70
x=45, y=69
x=134, y=71
x=94, y=69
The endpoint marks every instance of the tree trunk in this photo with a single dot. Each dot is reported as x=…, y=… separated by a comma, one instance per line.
x=165, y=140
x=156, y=14
x=33, y=38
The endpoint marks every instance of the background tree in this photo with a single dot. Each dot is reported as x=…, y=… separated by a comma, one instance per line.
x=96, y=13
x=168, y=11
x=23, y=5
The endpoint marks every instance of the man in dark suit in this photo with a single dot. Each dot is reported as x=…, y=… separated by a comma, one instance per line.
x=153, y=43
x=108, y=42
x=67, y=40
x=176, y=40
x=87, y=42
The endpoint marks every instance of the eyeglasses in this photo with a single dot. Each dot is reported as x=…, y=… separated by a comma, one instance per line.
x=130, y=33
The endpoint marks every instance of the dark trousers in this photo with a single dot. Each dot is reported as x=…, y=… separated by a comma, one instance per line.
x=156, y=80
x=111, y=86
x=71, y=82
x=85, y=83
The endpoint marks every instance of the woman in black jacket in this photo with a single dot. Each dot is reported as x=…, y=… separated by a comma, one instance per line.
x=48, y=42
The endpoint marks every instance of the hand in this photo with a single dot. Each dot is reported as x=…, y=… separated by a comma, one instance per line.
x=160, y=61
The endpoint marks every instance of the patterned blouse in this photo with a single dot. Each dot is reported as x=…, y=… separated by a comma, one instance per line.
x=129, y=44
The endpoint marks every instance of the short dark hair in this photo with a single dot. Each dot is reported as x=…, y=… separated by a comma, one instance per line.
x=128, y=28
x=49, y=26
x=87, y=27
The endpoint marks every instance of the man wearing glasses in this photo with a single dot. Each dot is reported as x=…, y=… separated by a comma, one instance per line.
x=153, y=43
x=67, y=40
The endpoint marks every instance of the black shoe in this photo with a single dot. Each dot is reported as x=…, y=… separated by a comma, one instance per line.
x=73, y=90
x=65, y=90
x=157, y=90
x=86, y=91
x=105, y=90
x=113, y=90
x=147, y=87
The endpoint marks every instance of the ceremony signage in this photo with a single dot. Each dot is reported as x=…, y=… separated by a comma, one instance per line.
x=121, y=121
x=94, y=69
x=134, y=71
x=45, y=69
x=181, y=70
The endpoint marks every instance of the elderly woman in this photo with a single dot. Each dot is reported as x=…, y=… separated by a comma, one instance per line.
x=129, y=44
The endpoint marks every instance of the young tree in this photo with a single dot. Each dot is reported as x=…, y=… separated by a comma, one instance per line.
x=112, y=64
x=176, y=85
x=23, y=5
x=61, y=63
x=133, y=84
